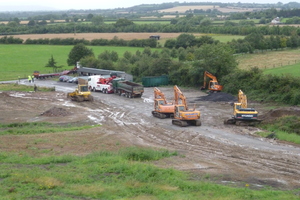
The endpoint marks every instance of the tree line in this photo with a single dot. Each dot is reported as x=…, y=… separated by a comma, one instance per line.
x=71, y=41
x=188, y=24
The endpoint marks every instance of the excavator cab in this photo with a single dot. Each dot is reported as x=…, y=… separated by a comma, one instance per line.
x=162, y=109
x=83, y=88
x=213, y=84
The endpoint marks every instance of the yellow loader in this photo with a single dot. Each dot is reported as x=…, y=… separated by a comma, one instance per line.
x=81, y=93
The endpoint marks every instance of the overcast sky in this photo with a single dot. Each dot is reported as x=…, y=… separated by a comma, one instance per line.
x=26, y=5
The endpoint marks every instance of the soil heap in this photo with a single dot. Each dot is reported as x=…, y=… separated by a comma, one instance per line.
x=218, y=96
x=56, y=112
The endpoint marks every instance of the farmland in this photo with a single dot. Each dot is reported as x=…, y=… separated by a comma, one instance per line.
x=269, y=60
x=91, y=36
x=183, y=9
x=21, y=60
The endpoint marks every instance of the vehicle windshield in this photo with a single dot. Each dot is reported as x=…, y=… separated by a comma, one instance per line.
x=84, y=88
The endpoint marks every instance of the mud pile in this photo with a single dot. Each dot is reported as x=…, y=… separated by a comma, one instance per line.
x=218, y=96
x=280, y=112
x=4, y=95
x=56, y=112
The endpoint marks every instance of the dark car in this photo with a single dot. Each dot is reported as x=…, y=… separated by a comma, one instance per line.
x=61, y=78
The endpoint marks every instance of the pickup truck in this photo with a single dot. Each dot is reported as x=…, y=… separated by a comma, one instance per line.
x=127, y=88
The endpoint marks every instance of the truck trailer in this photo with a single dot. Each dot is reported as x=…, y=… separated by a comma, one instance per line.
x=127, y=88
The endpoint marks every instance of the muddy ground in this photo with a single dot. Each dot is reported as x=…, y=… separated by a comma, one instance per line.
x=216, y=152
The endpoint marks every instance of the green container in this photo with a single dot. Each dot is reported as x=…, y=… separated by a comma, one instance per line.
x=154, y=81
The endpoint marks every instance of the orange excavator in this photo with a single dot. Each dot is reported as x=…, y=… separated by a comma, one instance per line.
x=183, y=116
x=162, y=109
x=213, y=85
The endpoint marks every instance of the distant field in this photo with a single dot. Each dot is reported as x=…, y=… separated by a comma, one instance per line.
x=293, y=70
x=125, y=36
x=150, y=21
x=269, y=60
x=225, y=38
x=183, y=9
x=91, y=36
x=22, y=60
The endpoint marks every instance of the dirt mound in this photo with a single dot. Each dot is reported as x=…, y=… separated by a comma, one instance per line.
x=279, y=112
x=4, y=94
x=218, y=96
x=56, y=112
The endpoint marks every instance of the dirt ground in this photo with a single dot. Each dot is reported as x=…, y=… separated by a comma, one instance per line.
x=216, y=152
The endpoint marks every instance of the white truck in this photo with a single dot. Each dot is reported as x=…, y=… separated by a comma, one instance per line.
x=96, y=84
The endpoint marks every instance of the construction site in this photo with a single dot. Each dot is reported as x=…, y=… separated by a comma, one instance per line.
x=229, y=154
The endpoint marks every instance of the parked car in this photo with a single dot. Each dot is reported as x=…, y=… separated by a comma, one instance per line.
x=73, y=80
x=67, y=78
x=61, y=78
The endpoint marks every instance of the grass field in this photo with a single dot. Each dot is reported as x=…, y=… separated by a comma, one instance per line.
x=225, y=38
x=107, y=175
x=269, y=60
x=22, y=60
x=293, y=70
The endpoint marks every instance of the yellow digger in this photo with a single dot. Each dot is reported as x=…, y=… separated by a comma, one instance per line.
x=81, y=93
x=242, y=115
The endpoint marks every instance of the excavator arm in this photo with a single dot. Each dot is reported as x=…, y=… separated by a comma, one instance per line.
x=159, y=95
x=242, y=98
x=179, y=96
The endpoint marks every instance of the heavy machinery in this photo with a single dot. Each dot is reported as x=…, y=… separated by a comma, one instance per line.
x=242, y=115
x=182, y=115
x=162, y=109
x=213, y=84
x=81, y=93
x=127, y=88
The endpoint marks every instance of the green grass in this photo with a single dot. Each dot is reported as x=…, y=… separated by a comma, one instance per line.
x=256, y=21
x=286, y=128
x=24, y=88
x=38, y=128
x=106, y=175
x=293, y=70
x=225, y=38
x=22, y=60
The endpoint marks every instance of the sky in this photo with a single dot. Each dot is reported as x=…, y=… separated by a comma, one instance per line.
x=29, y=5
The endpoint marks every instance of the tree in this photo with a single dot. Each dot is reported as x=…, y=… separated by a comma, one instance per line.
x=89, y=17
x=78, y=51
x=52, y=63
x=218, y=59
x=185, y=40
x=97, y=20
x=123, y=22
x=31, y=23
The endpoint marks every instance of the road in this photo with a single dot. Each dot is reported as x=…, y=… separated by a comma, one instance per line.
x=233, y=152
